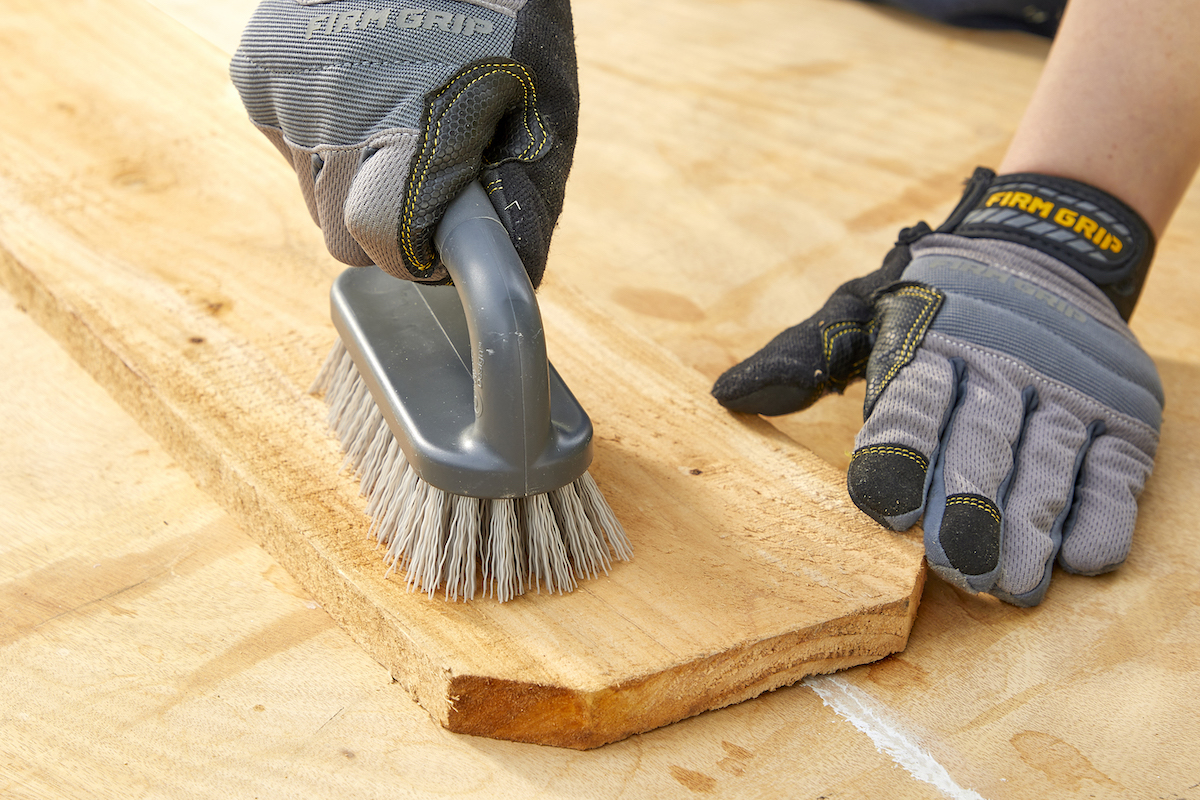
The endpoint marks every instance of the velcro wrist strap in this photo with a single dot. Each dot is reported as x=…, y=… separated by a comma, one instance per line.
x=1087, y=229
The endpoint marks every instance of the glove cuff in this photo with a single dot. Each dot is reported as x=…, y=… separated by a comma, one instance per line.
x=1087, y=229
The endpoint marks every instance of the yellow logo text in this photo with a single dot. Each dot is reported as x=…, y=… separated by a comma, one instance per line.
x=1066, y=217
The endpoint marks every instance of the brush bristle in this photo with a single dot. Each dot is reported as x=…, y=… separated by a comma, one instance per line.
x=545, y=541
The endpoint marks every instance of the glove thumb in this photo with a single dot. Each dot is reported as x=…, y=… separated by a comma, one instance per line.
x=823, y=354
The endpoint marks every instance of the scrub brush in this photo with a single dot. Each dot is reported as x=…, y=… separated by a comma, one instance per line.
x=471, y=450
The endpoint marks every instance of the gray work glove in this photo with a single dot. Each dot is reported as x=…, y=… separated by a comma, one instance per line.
x=387, y=112
x=1007, y=400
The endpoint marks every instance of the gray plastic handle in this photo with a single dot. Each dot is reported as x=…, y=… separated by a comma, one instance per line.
x=508, y=344
x=460, y=372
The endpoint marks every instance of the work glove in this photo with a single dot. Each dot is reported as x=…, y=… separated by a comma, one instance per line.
x=387, y=112
x=1006, y=398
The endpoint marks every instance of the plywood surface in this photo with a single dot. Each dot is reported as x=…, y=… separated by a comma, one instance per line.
x=1089, y=695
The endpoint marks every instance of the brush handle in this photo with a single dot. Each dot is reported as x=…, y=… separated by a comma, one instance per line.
x=508, y=343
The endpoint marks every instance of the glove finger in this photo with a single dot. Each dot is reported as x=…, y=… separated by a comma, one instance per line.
x=797, y=367
x=333, y=174
x=889, y=472
x=963, y=521
x=1039, y=499
x=528, y=198
x=824, y=353
x=462, y=122
x=1099, y=530
x=373, y=204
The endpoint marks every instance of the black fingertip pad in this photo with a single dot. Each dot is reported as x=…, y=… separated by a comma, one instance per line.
x=770, y=401
x=887, y=481
x=970, y=534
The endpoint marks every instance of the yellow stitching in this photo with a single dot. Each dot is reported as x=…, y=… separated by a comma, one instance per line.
x=429, y=152
x=845, y=328
x=967, y=500
x=912, y=455
x=527, y=87
x=911, y=341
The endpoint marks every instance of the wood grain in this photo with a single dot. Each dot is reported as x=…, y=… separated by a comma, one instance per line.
x=182, y=667
x=147, y=227
x=150, y=649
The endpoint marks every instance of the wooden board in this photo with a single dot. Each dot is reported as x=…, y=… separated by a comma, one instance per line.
x=148, y=228
x=150, y=648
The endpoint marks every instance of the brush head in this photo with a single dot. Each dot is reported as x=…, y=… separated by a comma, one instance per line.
x=472, y=449
x=508, y=546
x=519, y=434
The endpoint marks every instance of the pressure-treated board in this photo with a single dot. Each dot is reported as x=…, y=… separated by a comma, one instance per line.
x=151, y=231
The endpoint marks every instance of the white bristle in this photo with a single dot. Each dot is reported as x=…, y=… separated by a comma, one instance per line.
x=545, y=541
x=462, y=547
x=364, y=432
x=378, y=459
x=504, y=561
x=548, y=562
x=325, y=374
x=386, y=484
x=353, y=416
x=585, y=546
x=602, y=517
x=401, y=537
x=428, y=550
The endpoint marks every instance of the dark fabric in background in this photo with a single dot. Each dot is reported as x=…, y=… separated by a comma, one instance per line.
x=1035, y=16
